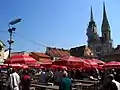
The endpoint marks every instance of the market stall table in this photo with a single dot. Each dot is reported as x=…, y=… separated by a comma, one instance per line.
x=96, y=84
x=80, y=86
x=86, y=81
x=46, y=87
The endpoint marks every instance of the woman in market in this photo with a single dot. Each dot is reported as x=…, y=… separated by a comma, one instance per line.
x=25, y=81
x=65, y=83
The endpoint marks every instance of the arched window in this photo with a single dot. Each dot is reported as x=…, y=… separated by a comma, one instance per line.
x=105, y=35
x=98, y=48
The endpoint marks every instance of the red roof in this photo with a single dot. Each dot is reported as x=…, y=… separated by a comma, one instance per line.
x=56, y=52
x=92, y=63
x=43, y=60
x=40, y=54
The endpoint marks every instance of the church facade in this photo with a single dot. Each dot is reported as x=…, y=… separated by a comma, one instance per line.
x=99, y=44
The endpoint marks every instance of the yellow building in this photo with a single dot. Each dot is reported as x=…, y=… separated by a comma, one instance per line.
x=2, y=50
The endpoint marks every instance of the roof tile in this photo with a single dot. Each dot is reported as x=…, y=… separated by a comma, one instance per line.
x=56, y=52
x=40, y=54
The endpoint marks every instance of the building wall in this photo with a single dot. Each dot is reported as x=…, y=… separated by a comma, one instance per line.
x=2, y=47
x=2, y=55
x=82, y=52
x=96, y=47
x=112, y=57
x=20, y=53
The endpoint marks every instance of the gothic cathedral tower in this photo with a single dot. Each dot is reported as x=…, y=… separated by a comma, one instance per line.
x=106, y=33
x=97, y=44
x=93, y=37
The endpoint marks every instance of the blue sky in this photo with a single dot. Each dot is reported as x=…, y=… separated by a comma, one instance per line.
x=55, y=23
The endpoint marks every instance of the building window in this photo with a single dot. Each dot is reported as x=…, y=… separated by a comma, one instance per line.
x=105, y=35
x=98, y=48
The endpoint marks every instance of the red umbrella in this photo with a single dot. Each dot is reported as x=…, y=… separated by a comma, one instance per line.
x=24, y=66
x=15, y=65
x=100, y=67
x=112, y=64
x=57, y=66
x=21, y=59
x=98, y=61
x=92, y=63
x=36, y=65
x=70, y=61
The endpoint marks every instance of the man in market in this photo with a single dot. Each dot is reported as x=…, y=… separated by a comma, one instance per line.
x=14, y=80
x=57, y=76
x=111, y=84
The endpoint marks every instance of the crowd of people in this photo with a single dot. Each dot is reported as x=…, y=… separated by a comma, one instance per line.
x=21, y=79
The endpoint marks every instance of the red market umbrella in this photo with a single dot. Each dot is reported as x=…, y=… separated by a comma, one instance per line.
x=92, y=63
x=36, y=65
x=24, y=66
x=15, y=65
x=57, y=66
x=21, y=59
x=71, y=61
x=112, y=64
x=99, y=62
x=100, y=67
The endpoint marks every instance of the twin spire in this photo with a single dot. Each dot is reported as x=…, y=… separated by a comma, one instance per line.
x=105, y=20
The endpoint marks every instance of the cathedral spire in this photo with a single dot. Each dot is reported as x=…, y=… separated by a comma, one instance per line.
x=105, y=22
x=91, y=17
x=104, y=12
x=91, y=22
x=106, y=32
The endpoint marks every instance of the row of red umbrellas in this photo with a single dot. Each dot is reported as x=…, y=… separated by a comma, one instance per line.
x=68, y=61
x=75, y=62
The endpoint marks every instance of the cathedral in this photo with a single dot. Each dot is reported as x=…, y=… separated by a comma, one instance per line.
x=99, y=44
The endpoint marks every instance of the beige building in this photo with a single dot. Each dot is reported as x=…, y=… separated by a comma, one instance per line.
x=19, y=53
x=2, y=50
x=82, y=52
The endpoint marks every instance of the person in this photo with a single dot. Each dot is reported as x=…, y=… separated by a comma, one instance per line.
x=111, y=83
x=25, y=81
x=9, y=72
x=49, y=75
x=14, y=80
x=65, y=83
x=42, y=78
x=57, y=76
